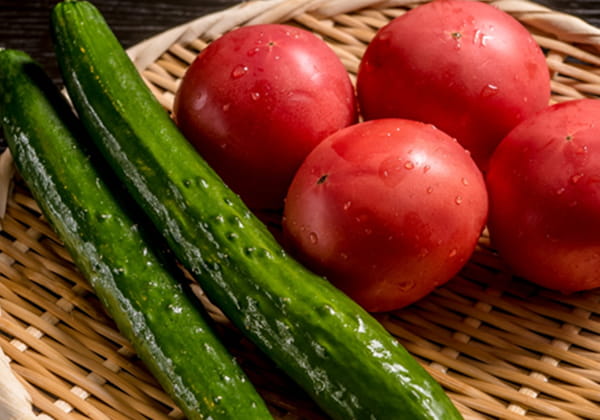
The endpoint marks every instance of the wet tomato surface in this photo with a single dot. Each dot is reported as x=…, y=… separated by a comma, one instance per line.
x=387, y=210
x=544, y=189
x=465, y=66
x=257, y=100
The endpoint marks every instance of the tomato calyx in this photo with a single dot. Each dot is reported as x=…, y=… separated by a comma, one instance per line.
x=322, y=179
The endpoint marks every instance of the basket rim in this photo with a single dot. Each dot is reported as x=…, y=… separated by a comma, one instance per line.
x=563, y=26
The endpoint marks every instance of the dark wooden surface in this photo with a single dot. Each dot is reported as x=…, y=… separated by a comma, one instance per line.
x=24, y=23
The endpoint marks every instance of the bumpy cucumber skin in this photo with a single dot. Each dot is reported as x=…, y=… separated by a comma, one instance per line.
x=141, y=290
x=350, y=365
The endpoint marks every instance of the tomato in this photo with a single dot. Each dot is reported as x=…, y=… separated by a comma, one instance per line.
x=387, y=210
x=257, y=100
x=465, y=66
x=544, y=187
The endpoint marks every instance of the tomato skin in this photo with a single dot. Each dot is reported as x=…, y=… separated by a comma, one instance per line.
x=257, y=100
x=465, y=66
x=387, y=210
x=544, y=187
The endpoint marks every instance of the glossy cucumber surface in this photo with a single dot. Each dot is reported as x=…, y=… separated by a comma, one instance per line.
x=117, y=249
x=346, y=361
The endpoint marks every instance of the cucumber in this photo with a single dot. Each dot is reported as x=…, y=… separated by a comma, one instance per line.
x=342, y=356
x=117, y=250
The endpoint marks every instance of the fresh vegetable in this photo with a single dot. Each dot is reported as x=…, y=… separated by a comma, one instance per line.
x=116, y=249
x=257, y=100
x=544, y=186
x=342, y=357
x=387, y=210
x=465, y=66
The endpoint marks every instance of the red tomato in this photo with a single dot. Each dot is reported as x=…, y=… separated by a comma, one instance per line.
x=464, y=66
x=544, y=186
x=257, y=100
x=387, y=210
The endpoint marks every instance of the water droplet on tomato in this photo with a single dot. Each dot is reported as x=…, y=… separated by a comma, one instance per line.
x=426, y=169
x=560, y=191
x=465, y=181
x=409, y=165
x=361, y=218
x=576, y=178
x=239, y=71
x=200, y=101
x=255, y=96
x=313, y=238
x=406, y=285
x=392, y=170
x=458, y=200
x=488, y=91
x=453, y=252
x=347, y=205
x=480, y=38
x=253, y=51
x=429, y=189
x=423, y=252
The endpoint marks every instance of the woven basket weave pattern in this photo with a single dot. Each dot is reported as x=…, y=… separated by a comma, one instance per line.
x=501, y=347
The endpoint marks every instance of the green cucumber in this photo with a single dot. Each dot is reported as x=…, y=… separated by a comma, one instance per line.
x=117, y=250
x=342, y=356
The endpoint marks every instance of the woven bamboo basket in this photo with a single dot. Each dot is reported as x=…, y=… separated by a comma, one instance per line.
x=500, y=346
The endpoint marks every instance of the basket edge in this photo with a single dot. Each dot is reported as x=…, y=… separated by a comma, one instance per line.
x=563, y=26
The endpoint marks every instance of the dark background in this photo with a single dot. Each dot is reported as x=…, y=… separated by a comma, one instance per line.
x=24, y=23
